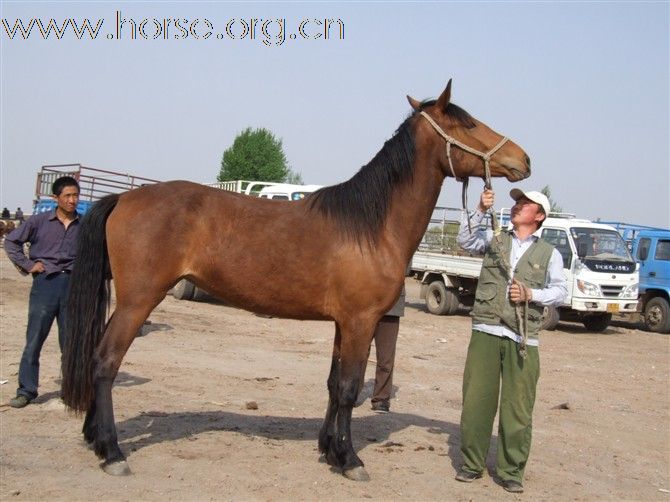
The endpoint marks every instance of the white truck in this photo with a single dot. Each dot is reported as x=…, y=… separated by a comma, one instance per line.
x=602, y=276
x=186, y=290
x=267, y=189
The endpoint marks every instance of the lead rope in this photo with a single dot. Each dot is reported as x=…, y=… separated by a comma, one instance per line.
x=520, y=309
x=521, y=317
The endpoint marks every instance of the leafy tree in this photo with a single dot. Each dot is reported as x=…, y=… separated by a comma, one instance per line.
x=555, y=208
x=294, y=178
x=255, y=155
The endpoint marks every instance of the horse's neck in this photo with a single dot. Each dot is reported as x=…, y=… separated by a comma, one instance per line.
x=411, y=209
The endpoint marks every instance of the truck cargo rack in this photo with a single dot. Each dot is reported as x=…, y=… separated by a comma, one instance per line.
x=94, y=184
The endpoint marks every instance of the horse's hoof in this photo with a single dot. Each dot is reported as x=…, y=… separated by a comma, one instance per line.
x=117, y=468
x=357, y=474
x=88, y=444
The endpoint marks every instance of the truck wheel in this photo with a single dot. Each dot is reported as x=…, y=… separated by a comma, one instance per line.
x=597, y=322
x=440, y=300
x=550, y=318
x=657, y=315
x=183, y=290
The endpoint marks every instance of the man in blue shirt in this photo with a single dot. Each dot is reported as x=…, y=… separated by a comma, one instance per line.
x=53, y=244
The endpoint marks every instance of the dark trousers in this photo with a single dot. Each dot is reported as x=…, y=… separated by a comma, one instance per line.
x=386, y=336
x=47, y=302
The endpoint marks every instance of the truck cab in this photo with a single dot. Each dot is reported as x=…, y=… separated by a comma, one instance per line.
x=601, y=273
x=286, y=191
x=651, y=249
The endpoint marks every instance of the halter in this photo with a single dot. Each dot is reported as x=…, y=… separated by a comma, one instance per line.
x=486, y=157
x=521, y=317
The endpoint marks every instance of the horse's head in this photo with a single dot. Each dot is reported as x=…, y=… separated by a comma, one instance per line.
x=472, y=142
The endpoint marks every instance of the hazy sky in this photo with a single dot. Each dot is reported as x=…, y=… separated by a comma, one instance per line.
x=581, y=86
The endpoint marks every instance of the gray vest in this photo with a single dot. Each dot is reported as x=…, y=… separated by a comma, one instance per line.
x=492, y=304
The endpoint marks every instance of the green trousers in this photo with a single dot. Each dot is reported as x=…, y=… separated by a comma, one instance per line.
x=492, y=359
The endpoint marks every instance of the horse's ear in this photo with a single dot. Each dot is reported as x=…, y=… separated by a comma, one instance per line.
x=445, y=97
x=414, y=103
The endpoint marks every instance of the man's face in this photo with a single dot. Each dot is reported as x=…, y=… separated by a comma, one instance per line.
x=526, y=212
x=68, y=199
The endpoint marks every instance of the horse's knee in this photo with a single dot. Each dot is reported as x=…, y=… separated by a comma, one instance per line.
x=348, y=391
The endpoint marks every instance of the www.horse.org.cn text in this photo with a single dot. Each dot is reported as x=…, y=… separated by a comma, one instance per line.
x=274, y=31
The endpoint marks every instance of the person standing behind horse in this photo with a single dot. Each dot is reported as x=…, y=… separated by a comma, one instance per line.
x=386, y=337
x=520, y=275
x=53, y=239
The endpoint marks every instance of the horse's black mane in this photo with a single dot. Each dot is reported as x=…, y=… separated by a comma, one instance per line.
x=360, y=205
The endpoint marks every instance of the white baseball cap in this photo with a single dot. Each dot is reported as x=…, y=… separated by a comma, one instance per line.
x=537, y=197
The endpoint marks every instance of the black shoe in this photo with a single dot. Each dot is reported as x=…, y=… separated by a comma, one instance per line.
x=19, y=401
x=467, y=476
x=381, y=407
x=512, y=486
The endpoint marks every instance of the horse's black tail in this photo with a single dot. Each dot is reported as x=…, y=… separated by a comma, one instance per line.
x=87, y=305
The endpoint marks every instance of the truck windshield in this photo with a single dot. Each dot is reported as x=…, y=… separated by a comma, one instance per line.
x=600, y=244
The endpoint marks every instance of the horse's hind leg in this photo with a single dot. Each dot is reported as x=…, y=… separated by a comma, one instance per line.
x=99, y=428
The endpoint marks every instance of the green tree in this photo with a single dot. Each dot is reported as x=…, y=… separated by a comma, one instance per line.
x=555, y=208
x=294, y=178
x=255, y=155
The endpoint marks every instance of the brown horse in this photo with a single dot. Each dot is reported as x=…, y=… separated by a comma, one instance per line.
x=339, y=254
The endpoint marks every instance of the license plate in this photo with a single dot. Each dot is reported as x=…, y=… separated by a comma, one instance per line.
x=613, y=307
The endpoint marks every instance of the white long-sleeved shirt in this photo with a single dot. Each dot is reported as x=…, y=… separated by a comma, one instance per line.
x=553, y=294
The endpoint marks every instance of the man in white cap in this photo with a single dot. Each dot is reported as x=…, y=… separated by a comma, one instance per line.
x=520, y=275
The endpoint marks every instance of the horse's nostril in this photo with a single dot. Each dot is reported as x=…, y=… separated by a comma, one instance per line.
x=528, y=162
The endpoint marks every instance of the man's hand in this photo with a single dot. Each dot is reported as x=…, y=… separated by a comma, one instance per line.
x=486, y=200
x=519, y=293
x=38, y=268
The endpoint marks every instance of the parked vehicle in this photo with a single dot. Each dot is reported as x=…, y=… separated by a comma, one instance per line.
x=186, y=290
x=285, y=191
x=93, y=185
x=267, y=189
x=601, y=274
x=651, y=249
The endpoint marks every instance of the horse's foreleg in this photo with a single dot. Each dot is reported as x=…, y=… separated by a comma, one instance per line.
x=327, y=432
x=354, y=349
x=99, y=428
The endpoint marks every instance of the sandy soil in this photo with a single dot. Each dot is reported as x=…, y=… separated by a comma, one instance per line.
x=181, y=411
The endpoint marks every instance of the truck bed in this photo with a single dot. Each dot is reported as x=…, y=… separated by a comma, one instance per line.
x=451, y=264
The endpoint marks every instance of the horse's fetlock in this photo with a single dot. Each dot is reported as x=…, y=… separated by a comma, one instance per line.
x=324, y=442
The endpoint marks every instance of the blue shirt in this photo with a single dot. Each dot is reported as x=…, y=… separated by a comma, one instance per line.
x=50, y=243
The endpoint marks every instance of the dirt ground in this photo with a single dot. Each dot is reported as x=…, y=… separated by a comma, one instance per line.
x=601, y=423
